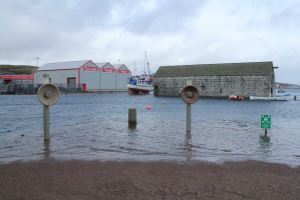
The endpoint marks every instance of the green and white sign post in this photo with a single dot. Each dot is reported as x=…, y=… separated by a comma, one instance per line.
x=265, y=122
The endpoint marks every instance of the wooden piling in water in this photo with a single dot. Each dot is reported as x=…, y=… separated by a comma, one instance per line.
x=295, y=98
x=132, y=119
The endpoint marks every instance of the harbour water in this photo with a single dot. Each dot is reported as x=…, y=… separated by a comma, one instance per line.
x=94, y=126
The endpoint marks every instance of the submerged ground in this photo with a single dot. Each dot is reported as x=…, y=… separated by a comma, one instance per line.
x=94, y=126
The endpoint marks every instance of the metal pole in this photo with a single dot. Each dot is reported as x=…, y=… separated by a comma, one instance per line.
x=266, y=132
x=188, y=119
x=46, y=150
x=46, y=124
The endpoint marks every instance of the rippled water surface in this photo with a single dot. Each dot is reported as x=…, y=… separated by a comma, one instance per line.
x=94, y=126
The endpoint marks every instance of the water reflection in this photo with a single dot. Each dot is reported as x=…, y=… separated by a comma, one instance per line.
x=131, y=126
x=131, y=136
x=46, y=150
x=265, y=144
x=264, y=139
x=188, y=147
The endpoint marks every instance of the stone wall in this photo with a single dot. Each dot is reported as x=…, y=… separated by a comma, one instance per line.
x=215, y=86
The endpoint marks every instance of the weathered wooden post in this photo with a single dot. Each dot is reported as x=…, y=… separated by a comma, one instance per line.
x=189, y=94
x=132, y=119
x=48, y=95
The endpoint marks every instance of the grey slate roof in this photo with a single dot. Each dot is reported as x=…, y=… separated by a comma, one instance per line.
x=223, y=69
x=63, y=65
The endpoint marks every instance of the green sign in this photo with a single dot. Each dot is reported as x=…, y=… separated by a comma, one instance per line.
x=265, y=121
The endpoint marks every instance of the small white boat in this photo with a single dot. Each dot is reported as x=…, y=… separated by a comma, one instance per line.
x=280, y=95
x=139, y=86
x=275, y=98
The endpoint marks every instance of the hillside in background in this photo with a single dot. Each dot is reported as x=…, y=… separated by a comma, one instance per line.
x=17, y=69
x=288, y=86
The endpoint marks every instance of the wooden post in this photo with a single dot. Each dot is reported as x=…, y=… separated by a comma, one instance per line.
x=46, y=124
x=295, y=98
x=132, y=119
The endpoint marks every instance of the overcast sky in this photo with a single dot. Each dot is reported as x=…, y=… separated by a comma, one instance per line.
x=172, y=32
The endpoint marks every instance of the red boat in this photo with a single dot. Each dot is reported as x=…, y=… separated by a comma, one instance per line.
x=236, y=98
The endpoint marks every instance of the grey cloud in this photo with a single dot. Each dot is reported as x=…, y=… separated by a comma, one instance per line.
x=47, y=24
x=172, y=32
x=289, y=18
x=168, y=16
x=37, y=26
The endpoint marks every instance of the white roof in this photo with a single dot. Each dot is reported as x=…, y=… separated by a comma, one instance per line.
x=118, y=65
x=102, y=64
x=63, y=65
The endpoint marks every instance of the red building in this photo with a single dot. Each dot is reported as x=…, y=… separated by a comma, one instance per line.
x=23, y=78
x=17, y=84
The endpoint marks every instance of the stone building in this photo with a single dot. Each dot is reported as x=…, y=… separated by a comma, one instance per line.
x=217, y=80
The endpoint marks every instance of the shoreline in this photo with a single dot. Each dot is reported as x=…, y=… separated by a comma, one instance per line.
x=182, y=161
x=80, y=179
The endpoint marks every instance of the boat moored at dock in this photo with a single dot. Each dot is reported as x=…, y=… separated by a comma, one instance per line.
x=139, y=85
x=279, y=95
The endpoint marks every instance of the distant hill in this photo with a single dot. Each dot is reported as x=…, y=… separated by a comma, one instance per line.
x=17, y=69
x=288, y=86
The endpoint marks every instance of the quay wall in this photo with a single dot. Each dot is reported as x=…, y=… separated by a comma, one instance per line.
x=216, y=86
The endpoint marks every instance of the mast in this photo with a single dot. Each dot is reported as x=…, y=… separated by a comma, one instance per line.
x=146, y=64
x=134, y=68
x=148, y=68
x=145, y=60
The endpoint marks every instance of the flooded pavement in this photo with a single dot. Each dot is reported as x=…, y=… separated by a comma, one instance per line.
x=94, y=126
